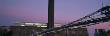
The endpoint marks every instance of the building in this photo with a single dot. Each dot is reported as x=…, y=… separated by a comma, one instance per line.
x=35, y=24
x=26, y=28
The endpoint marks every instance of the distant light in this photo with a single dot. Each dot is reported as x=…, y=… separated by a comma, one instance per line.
x=29, y=23
x=43, y=26
x=39, y=24
x=75, y=27
x=22, y=25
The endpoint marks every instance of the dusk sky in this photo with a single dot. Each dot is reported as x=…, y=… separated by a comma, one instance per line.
x=37, y=10
x=12, y=11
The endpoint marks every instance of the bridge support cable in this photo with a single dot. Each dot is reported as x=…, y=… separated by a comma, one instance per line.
x=102, y=15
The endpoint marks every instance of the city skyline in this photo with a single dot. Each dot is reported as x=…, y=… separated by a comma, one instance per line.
x=66, y=11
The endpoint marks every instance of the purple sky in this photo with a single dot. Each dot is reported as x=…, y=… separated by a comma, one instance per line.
x=36, y=10
x=66, y=11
